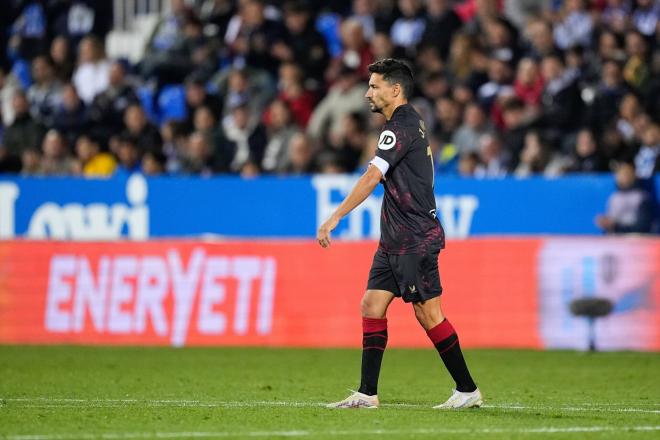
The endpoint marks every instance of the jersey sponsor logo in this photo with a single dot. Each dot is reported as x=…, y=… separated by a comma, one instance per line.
x=387, y=140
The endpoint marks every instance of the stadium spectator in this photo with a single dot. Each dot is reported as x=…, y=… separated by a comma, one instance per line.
x=197, y=96
x=516, y=126
x=501, y=40
x=153, y=163
x=448, y=118
x=301, y=43
x=560, y=102
x=494, y=159
x=45, y=93
x=253, y=35
x=346, y=96
x=346, y=148
x=575, y=25
x=629, y=208
x=106, y=112
x=616, y=15
x=356, y=54
x=647, y=160
x=540, y=39
x=608, y=47
x=499, y=82
x=8, y=163
x=407, y=30
x=608, y=95
x=173, y=134
x=77, y=18
x=434, y=85
x=280, y=131
x=60, y=54
x=191, y=53
x=300, y=154
x=646, y=17
x=24, y=132
x=528, y=85
x=255, y=84
x=56, y=160
x=198, y=156
x=636, y=70
x=93, y=161
x=537, y=158
x=31, y=162
x=300, y=100
x=129, y=156
x=217, y=14
x=586, y=156
x=475, y=125
x=92, y=75
x=138, y=127
x=29, y=30
x=469, y=164
x=629, y=109
x=246, y=140
x=441, y=23
x=169, y=29
x=71, y=116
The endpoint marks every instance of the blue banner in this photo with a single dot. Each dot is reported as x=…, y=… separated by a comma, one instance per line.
x=293, y=207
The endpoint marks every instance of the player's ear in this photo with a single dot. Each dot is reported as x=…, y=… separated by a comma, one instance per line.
x=396, y=89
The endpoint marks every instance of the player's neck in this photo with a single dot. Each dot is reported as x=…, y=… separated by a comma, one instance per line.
x=389, y=111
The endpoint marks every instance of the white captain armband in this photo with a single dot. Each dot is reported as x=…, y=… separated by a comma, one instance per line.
x=381, y=164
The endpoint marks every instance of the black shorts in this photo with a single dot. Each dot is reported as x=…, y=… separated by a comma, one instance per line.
x=412, y=277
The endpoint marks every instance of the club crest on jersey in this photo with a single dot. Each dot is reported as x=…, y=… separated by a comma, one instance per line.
x=387, y=140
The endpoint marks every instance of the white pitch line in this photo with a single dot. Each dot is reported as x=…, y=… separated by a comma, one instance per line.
x=46, y=402
x=310, y=433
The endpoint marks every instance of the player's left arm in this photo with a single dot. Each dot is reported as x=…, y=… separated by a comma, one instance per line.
x=362, y=189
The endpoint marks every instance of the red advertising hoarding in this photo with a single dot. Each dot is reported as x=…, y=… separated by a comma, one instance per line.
x=274, y=293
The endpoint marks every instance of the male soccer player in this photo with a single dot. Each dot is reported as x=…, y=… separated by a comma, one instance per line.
x=406, y=262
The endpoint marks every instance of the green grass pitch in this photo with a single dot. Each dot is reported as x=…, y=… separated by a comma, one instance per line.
x=58, y=393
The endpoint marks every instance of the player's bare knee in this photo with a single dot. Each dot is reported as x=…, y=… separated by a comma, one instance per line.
x=370, y=308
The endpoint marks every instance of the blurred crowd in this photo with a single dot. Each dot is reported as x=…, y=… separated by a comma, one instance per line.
x=249, y=87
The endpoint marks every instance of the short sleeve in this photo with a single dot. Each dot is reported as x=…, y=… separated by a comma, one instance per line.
x=392, y=144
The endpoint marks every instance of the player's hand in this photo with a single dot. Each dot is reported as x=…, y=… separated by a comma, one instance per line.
x=323, y=235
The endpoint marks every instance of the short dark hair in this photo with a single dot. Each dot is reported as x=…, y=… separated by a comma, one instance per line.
x=395, y=72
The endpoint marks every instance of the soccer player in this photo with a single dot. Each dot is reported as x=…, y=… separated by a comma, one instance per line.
x=406, y=262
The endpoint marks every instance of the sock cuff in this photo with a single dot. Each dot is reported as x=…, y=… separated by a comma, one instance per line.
x=441, y=332
x=370, y=325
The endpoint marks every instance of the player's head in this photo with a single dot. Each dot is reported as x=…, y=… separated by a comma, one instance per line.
x=391, y=81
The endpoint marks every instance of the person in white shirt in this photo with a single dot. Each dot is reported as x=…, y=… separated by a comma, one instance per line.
x=92, y=75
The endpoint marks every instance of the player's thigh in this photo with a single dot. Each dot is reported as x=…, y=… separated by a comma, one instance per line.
x=375, y=303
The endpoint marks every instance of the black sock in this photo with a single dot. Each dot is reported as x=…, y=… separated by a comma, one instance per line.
x=374, y=341
x=445, y=339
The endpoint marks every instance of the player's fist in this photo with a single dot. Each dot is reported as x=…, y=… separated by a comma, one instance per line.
x=323, y=235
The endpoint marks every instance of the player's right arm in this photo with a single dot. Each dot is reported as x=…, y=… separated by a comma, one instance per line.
x=362, y=189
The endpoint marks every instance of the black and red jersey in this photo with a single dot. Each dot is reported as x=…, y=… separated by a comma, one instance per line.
x=408, y=223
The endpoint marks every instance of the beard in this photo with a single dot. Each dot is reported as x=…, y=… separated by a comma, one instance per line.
x=375, y=108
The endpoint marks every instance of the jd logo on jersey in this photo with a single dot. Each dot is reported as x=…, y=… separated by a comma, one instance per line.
x=387, y=140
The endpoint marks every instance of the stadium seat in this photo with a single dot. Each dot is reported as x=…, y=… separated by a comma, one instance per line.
x=21, y=69
x=146, y=96
x=172, y=103
x=328, y=25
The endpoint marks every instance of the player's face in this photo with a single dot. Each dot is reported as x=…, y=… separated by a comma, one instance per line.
x=379, y=94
